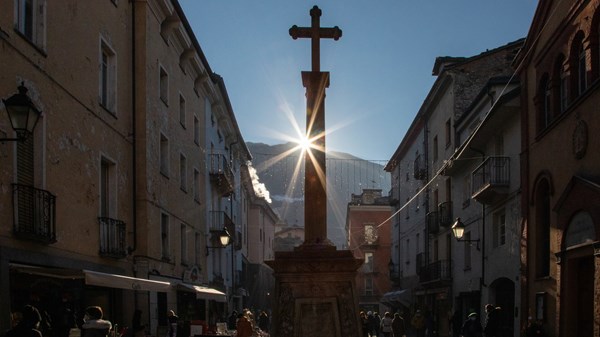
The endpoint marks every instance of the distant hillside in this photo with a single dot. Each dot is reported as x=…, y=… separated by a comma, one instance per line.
x=346, y=174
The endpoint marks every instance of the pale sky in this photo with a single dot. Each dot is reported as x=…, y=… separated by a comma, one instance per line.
x=380, y=68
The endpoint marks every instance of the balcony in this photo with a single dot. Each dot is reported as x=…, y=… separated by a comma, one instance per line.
x=419, y=169
x=393, y=198
x=436, y=272
x=491, y=180
x=219, y=220
x=445, y=214
x=34, y=214
x=433, y=222
x=221, y=174
x=112, y=238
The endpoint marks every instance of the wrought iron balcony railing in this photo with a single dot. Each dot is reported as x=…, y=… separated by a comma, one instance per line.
x=436, y=271
x=491, y=178
x=221, y=173
x=445, y=214
x=112, y=238
x=34, y=214
x=419, y=169
x=219, y=220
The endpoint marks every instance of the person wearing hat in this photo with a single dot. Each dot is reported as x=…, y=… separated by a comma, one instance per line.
x=28, y=326
x=472, y=326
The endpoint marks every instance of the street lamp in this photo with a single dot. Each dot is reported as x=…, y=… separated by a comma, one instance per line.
x=22, y=113
x=458, y=229
x=224, y=240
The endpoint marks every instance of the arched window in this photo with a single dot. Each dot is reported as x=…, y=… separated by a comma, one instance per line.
x=578, y=66
x=560, y=87
x=542, y=229
x=544, y=98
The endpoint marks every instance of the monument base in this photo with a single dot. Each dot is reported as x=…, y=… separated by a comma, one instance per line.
x=315, y=293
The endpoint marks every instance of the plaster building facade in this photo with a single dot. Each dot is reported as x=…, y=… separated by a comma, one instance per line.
x=560, y=70
x=369, y=238
x=131, y=172
x=459, y=81
x=487, y=194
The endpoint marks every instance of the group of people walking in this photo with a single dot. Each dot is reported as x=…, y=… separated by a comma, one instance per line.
x=390, y=325
x=246, y=325
x=492, y=326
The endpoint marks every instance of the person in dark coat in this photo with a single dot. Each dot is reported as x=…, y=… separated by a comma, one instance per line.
x=492, y=323
x=472, y=326
x=172, y=319
x=28, y=326
x=263, y=321
x=398, y=327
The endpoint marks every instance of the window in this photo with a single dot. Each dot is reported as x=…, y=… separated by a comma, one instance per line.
x=370, y=234
x=164, y=236
x=163, y=85
x=368, y=266
x=561, y=80
x=182, y=110
x=196, y=185
x=581, y=69
x=164, y=155
x=448, y=133
x=182, y=172
x=417, y=204
x=545, y=110
x=108, y=77
x=407, y=251
x=435, y=148
x=499, y=231
x=466, y=191
x=107, y=188
x=197, y=249
x=407, y=208
x=542, y=229
x=467, y=246
x=418, y=243
x=368, y=285
x=196, y=131
x=577, y=62
x=183, y=244
x=31, y=20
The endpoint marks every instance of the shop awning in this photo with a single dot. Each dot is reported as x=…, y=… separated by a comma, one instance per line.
x=124, y=282
x=95, y=278
x=393, y=298
x=203, y=292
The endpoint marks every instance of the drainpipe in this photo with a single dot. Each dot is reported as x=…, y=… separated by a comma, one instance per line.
x=234, y=231
x=131, y=250
x=482, y=280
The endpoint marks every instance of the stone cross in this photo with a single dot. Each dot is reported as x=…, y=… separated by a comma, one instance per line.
x=315, y=33
x=315, y=82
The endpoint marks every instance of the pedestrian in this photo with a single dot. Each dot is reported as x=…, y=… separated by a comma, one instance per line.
x=376, y=324
x=231, y=321
x=398, y=327
x=243, y=326
x=418, y=323
x=28, y=325
x=472, y=326
x=263, y=321
x=364, y=321
x=386, y=324
x=93, y=324
x=492, y=321
x=137, y=328
x=534, y=328
x=172, y=320
x=456, y=323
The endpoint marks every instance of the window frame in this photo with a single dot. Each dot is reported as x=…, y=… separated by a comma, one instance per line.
x=37, y=24
x=107, y=77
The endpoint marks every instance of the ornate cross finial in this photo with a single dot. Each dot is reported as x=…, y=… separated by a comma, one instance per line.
x=315, y=33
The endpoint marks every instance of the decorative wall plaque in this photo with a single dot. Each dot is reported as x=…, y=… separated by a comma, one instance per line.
x=580, y=139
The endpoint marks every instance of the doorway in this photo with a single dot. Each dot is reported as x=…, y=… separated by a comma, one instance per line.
x=578, y=307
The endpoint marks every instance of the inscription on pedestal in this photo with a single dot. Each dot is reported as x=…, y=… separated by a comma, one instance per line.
x=317, y=317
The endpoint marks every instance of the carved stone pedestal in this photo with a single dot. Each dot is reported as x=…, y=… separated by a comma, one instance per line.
x=315, y=293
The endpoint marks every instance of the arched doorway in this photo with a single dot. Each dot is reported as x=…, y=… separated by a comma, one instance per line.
x=577, y=307
x=503, y=292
